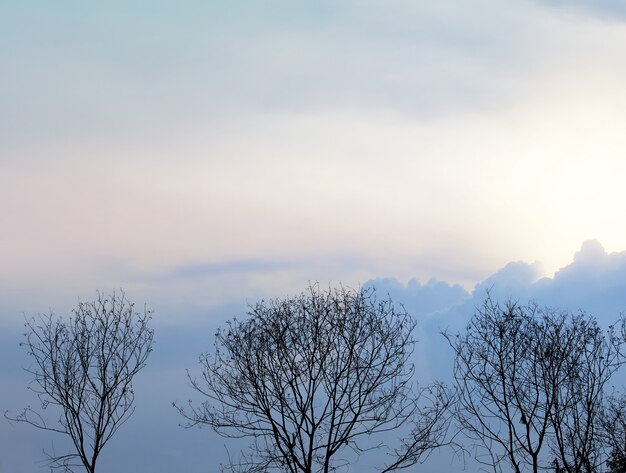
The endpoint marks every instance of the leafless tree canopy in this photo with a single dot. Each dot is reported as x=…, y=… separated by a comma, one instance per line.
x=531, y=383
x=84, y=366
x=581, y=400
x=306, y=378
x=613, y=423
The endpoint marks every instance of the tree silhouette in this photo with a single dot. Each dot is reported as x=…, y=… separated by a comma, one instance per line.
x=85, y=366
x=307, y=377
x=532, y=379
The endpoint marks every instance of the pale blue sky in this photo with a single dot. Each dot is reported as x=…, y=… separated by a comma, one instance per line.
x=204, y=154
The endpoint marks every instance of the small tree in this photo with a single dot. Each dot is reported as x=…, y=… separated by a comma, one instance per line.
x=307, y=377
x=85, y=366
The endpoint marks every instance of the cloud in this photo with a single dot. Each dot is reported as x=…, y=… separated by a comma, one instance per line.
x=206, y=155
x=514, y=280
x=202, y=270
x=323, y=130
x=594, y=282
x=179, y=69
x=604, y=9
x=421, y=300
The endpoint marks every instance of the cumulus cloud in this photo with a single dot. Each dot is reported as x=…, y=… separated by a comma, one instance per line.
x=594, y=282
x=513, y=280
x=421, y=299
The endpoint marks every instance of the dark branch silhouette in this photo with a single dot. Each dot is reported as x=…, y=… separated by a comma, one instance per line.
x=613, y=423
x=309, y=377
x=529, y=377
x=85, y=366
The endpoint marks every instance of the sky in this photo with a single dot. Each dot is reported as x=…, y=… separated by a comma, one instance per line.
x=202, y=155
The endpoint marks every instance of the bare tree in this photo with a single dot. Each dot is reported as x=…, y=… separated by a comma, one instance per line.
x=530, y=377
x=613, y=422
x=581, y=401
x=502, y=403
x=85, y=367
x=306, y=378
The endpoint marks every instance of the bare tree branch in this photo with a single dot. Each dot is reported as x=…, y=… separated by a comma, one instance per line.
x=530, y=377
x=308, y=377
x=85, y=366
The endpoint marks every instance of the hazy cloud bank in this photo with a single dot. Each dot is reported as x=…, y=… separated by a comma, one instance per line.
x=595, y=281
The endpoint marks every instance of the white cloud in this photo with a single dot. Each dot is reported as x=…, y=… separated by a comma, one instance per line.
x=436, y=135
